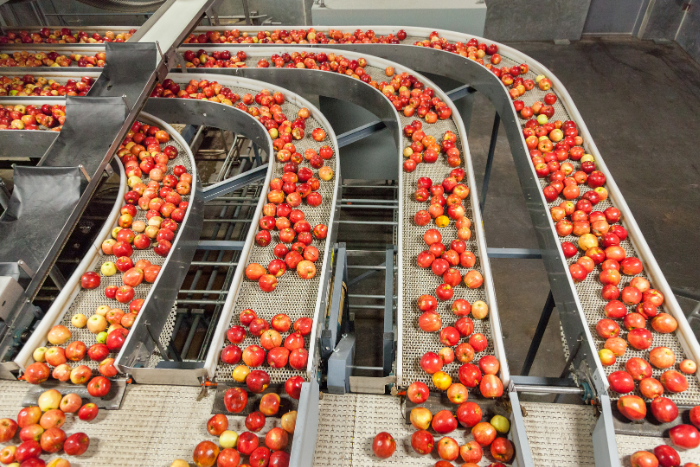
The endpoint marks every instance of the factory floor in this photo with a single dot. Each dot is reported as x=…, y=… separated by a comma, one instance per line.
x=639, y=101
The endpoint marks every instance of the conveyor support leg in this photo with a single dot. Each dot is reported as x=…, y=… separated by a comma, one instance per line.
x=539, y=333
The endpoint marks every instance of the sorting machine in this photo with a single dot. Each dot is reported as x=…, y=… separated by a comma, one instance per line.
x=163, y=395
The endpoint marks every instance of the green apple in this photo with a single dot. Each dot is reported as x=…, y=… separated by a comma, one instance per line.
x=542, y=119
x=228, y=439
x=108, y=268
x=101, y=337
x=501, y=424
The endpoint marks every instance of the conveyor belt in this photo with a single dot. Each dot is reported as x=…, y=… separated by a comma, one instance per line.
x=86, y=301
x=413, y=342
x=155, y=425
x=589, y=290
x=294, y=296
x=560, y=434
x=348, y=424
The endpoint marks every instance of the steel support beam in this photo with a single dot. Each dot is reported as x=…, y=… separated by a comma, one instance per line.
x=460, y=92
x=220, y=245
x=514, y=253
x=359, y=133
x=216, y=190
x=539, y=333
x=329, y=336
x=388, y=336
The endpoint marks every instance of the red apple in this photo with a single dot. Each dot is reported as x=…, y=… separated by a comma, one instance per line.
x=664, y=409
x=502, y=449
x=621, y=382
x=255, y=421
x=484, y=433
x=422, y=442
x=418, y=392
x=650, y=388
x=293, y=386
x=99, y=386
x=444, y=422
x=217, y=424
x=257, y=381
x=674, y=381
x=667, y=456
x=447, y=448
x=632, y=407
x=76, y=444
x=638, y=368
x=8, y=428
x=27, y=450
x=205, y=454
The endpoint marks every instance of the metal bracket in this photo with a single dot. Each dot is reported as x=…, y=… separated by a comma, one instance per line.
x=27, y=270
x=204, y=392
x=57, y=278
x=166, y=59
x=163, y=352
x=340, y=365
x=212, y=15
x=246, y=12
x=84, y=172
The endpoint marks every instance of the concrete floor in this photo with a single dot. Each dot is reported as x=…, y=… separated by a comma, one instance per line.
x=639, y=101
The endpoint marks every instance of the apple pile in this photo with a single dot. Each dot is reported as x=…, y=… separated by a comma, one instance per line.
x=30, y=117
x=468, y=415
x=284, y=210
x=39, y=430
x=110, y=324
x=51, y=59
x=60, y=358
x=280, y=350
x=218, y=59
x=405, y=91
x=232, y=446
x=30, y=85
x=62, y=36
x=444, y=263
x=424, y=148
x=557, y=153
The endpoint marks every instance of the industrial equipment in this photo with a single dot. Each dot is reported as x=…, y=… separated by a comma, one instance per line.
x=234, y=256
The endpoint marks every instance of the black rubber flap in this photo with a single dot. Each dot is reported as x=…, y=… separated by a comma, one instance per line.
x=128, y=68
x=92, y=124
x=41, y=202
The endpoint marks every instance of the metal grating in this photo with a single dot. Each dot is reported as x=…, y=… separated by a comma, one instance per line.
x=589, y=290
x=294, y=296
x=336, y=425
x=571, y=444
x=628, y=445
x=349, y=423
x=87, y=301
